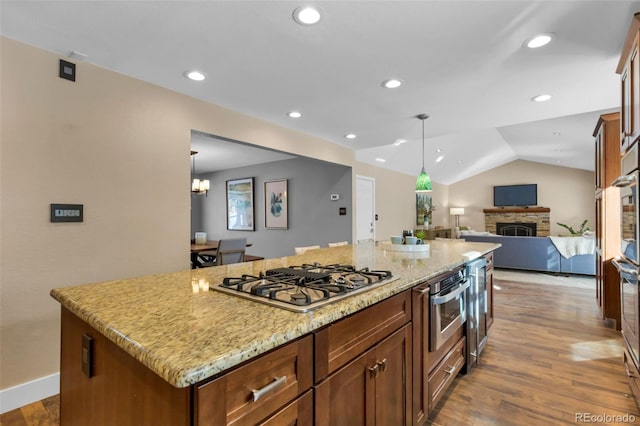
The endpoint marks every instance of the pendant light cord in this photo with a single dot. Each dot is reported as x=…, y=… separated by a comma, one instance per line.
x=422, y=117
x=422, y=143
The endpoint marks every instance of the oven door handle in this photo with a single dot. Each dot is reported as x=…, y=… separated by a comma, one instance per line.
x=623, y=181
x=440, y=300
x=618, y=264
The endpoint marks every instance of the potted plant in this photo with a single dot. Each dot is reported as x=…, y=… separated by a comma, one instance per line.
x=576, y=232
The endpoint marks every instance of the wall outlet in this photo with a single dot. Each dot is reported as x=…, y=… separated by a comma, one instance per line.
x=335, y=197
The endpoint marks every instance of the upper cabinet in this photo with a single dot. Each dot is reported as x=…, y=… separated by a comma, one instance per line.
x=629, y=70
x=607, y=161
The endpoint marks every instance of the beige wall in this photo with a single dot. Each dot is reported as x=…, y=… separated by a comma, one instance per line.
x=567, y=192
x=396, y=202
x=120, y=147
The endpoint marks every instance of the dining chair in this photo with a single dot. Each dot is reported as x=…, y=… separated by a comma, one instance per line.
x=338, y=244
x=230, y=250
x=301, y=250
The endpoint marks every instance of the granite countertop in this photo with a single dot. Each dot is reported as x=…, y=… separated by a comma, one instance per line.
x=173, y=324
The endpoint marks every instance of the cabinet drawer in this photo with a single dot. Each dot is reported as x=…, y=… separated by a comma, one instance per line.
x=445, y=372
x=257, y=389
x=489, y=259
x=343, y=341
x=299, y=412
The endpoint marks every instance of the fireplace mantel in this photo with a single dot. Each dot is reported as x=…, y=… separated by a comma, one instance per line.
x=519, y=210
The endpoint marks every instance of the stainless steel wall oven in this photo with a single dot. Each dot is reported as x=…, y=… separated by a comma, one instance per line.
x=628, y=184
x=628, y=264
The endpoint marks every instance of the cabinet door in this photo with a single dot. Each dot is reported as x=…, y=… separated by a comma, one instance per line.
x=625, y=108
x=598, y=160
x=630, y=98
x=348, y=396
x=374, y=388
x=634, y=77
x=393, y=379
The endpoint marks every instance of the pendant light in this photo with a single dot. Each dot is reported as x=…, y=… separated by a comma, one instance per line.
x=198, y=186
x=423, y=183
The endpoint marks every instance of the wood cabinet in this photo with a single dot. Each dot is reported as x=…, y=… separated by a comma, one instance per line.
x=363, y=366
x=372, y=367
x=122, y=391
x=257, y=389
x=607, y=214
x=375, y=388
x=433, y=372
x=444, y=373
x=629, y=70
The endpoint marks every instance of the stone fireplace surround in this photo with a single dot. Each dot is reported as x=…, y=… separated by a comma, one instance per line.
x=538, y=215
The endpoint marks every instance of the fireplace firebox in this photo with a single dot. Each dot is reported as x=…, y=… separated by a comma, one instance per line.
x=516, y=229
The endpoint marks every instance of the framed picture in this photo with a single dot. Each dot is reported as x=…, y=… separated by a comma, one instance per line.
x=276, y=205
x=240, y=205
x=424, y=208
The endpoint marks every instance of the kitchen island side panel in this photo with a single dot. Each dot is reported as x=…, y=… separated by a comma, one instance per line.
x=120, y=388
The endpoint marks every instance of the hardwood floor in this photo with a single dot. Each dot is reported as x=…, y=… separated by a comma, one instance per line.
x=549, y=359
x=41, y=413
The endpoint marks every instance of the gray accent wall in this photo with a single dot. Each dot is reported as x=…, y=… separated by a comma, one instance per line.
x=313, y=217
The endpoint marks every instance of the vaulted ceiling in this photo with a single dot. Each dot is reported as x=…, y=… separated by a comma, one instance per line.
x=461, y=62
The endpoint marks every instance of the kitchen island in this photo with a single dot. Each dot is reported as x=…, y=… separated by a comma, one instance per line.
x=160, y=338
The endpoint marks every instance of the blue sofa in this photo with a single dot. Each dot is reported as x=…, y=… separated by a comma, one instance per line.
x=535, y=254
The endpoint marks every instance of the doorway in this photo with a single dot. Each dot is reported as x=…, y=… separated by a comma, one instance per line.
x=365, y=208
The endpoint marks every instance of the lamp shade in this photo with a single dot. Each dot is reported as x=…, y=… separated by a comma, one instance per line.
x=456, y=211
x=423, y=183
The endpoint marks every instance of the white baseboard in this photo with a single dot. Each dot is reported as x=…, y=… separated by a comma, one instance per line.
x=26, y=393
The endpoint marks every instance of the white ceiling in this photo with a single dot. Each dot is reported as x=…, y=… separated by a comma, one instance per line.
x=462, y=62
x=218, y=154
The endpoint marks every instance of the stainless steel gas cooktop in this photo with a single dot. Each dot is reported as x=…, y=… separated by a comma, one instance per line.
x=305, y=287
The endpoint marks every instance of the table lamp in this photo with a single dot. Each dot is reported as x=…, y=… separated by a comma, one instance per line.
x=456, y=211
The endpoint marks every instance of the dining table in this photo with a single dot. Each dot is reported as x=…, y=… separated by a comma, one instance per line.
x=197, y=249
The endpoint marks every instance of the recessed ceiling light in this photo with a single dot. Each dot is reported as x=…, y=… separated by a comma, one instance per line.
x=439, y=159
x=381, y=160
x=399, y=142
x=195, y=75
x=438, y=150
x=556, y=133
x=294, y=114
x=459, y=161
x=392, y=83
x=541, y=98
x=350, y=136
x=538, y=41
x=306, y=15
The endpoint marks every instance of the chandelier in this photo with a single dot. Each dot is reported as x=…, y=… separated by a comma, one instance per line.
x=198, y=186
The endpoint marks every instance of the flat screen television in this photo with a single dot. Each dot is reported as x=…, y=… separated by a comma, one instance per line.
x=515, y=195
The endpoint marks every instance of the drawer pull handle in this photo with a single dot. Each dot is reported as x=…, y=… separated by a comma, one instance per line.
x=257, y=394
x=629, y=373
x=383, y=364
x=373, y=370
x=450, y=370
